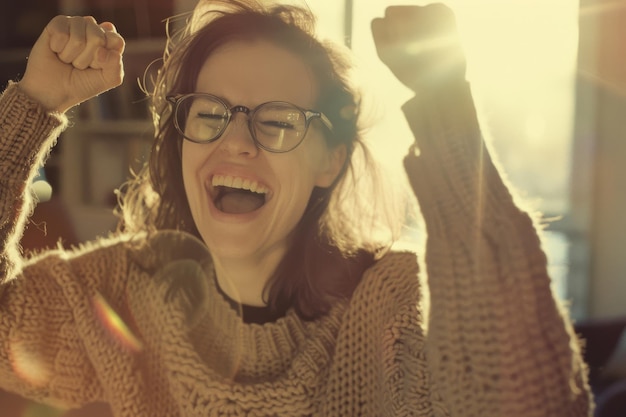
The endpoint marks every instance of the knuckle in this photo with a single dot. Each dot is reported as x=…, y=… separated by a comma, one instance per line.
x=96, y=41
x=58, y=26
x=114, y=40
x=76, y=43
x=58, y=20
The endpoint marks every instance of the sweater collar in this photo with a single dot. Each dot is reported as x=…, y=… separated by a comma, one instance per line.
x=219, y=348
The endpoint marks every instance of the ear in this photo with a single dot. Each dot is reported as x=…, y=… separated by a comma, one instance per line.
x=335, y=159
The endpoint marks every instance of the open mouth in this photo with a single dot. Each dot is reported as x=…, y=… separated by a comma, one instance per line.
x=236, y=195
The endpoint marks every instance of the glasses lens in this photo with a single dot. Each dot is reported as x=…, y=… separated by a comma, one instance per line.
x=278, y=126
x=201, y=118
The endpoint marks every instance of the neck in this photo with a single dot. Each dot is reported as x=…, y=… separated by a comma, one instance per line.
x=244, y=280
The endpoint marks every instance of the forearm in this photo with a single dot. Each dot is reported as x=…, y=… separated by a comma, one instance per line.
x=27, y=133
x=498, y=344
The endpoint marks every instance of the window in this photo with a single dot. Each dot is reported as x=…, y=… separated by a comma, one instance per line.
x=521, y=63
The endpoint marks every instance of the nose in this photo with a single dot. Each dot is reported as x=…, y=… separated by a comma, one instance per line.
x=237, y=139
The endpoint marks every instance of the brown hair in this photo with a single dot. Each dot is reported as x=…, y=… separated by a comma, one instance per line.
x=331, y=248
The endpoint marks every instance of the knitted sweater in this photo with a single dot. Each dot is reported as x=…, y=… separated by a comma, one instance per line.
x=496, y=342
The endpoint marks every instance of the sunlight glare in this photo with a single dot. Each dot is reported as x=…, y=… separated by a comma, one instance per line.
x=521, y=63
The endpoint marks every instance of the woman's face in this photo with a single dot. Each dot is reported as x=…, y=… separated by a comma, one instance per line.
x=239, y=225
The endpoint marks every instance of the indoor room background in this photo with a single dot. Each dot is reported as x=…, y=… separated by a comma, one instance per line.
x=549, y=78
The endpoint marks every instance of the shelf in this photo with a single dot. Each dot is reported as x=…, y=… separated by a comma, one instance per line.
x=116, y=129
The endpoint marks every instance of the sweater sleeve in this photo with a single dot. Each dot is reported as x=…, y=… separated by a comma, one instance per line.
x=49, y=334
x=499, y=343
x=27, y=133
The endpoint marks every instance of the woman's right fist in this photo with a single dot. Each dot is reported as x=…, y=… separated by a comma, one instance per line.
x=74, y=59
x=420, y=45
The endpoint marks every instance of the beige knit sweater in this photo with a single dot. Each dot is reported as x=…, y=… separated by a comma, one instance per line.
x=496, y=342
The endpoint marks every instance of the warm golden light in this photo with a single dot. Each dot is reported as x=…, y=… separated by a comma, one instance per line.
x=521, y=57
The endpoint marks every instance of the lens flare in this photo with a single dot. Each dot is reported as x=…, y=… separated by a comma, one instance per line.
x=114, y=324
x=28, y=363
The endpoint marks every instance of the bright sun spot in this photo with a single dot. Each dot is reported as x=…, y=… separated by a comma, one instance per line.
x=521, y=59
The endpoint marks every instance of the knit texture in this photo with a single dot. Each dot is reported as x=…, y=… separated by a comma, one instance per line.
x=496, y=343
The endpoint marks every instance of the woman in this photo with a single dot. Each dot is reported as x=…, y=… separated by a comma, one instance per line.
x=245, y=210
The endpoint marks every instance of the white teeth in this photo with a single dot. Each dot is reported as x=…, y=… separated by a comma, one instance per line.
x=238, y=182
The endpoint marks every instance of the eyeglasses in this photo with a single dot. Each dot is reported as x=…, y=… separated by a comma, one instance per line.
x=275, y=126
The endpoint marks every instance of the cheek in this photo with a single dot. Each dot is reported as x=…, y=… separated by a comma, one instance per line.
x=300, y=171
x=193, y=156
x=192, y=159
x=314, y=158
x=299, y=177
x=187, y=164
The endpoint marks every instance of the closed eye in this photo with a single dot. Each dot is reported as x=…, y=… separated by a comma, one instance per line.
x=278, y=124
x=211, y=116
